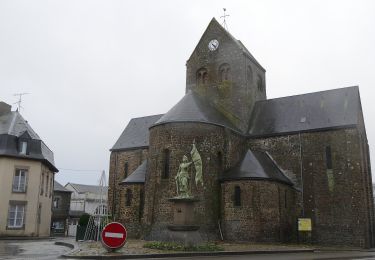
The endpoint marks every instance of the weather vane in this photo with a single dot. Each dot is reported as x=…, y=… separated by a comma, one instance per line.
x=19, y=100
x=224, y=21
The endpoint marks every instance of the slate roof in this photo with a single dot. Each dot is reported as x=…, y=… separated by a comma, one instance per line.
x=138, y=176
x=258, y=166
x=193, y=108
x=83, y=188
x=314, y=111
x=13, y=125
x=136, y=133
x=58, y=187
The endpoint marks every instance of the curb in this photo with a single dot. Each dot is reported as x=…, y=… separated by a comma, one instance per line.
x=27, y=238
x=186, y=254
x=60, y=243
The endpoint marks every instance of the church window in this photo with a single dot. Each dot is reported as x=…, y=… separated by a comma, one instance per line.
x=285, y=199
x=128, y=197
x=141, y=204
x=237, y=196
x=249, y=74
x=202, y=76
x=166, y=155
x=260, y=83
x=224, y=72
x=328, y=158
x=126, y=169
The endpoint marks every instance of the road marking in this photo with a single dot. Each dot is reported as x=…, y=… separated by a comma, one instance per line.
x=114, y=235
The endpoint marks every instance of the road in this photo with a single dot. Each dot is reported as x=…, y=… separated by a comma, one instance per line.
x=31, y=249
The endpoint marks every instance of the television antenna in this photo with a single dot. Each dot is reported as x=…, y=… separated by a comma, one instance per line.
x=224, y=16
x=19, y=100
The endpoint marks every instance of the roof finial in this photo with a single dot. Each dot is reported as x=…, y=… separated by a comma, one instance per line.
x=19, y=100
x=224, y=23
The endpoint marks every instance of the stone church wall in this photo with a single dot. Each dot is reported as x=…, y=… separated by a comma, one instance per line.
x=116, y=192
x=267, y=211
x=335, y=194
x=219, y=149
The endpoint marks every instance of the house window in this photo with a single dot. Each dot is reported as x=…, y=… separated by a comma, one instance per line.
x=40, y=213
x=47, y=185
x=237, y=196
x=166, y=156
x=328, y=158
x=202, y=76
x=23, y=147
x=126, y=169
x=224, y=72
x=16, y=215
x=51, y=186
x=19, y=180
x=42, y=185
x=128, y=197
x=56, y=203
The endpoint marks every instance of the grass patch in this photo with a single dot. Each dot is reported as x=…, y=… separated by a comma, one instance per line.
x=172, y=246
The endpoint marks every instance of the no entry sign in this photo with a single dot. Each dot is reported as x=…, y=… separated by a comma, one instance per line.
x=114, y=235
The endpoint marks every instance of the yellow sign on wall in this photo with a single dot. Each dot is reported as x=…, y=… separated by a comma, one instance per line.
x=304, y=224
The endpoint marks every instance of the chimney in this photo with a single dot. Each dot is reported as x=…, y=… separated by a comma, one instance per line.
x=4, y=108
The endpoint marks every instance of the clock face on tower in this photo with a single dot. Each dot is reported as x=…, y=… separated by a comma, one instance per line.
x=213, y=45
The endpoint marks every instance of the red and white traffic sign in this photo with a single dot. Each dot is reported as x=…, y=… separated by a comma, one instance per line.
x=114, y=235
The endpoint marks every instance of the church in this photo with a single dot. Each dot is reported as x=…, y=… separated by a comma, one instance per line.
x=227, y=163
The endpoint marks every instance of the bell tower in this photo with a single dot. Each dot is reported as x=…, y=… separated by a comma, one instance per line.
x=224, y=72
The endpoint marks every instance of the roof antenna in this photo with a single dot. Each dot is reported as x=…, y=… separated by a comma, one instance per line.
x=19, y=100
x=224, y=23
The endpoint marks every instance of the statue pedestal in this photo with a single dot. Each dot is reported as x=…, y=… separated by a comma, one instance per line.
x=183, y=214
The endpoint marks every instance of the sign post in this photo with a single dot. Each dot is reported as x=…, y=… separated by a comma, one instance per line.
x=114, y=236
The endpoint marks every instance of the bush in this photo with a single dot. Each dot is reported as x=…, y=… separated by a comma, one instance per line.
x=84, y=219
x=179, y=247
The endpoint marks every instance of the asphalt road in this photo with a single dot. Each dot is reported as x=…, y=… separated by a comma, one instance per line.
x=31, y=249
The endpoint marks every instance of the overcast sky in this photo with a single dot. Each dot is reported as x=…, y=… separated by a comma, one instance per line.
x=91, y=66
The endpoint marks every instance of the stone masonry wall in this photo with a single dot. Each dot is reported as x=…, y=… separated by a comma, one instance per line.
x=338, y=199
x=267, y=212
x=211, y=141
x=116, y=192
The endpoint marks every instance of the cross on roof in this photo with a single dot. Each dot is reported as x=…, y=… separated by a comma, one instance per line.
x=224, y=19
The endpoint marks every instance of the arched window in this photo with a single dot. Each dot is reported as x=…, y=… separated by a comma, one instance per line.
x=202, y=76
x=126, y=169
x=128, y=197
x=260, y=83
x=249, y=74
x=224, y=72
x=237, y=196
x=166, y=158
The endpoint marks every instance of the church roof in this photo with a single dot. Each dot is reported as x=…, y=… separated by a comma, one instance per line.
x=308, y=112
x=257, y=166
x=193, y=108
x=138, y=176
x=136, y=134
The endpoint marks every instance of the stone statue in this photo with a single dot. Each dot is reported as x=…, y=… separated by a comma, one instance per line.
x=182, y=179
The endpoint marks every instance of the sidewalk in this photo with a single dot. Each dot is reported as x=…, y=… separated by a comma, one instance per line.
x=134, y=249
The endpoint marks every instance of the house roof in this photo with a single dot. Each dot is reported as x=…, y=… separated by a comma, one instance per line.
x=138, y=176
x=193, y=108
x=136, y=133
x=258, y=166
x=13, y=126
x=58, y=187
x=314, y=111
x=83, y=188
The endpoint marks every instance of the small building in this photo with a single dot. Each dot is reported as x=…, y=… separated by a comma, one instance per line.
x=27, y=171
x=60, y=209
x=84, y=199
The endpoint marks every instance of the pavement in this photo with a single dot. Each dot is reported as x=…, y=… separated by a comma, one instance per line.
x=68, y=248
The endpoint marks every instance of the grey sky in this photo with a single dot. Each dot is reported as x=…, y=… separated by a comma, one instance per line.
x=93, y=65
